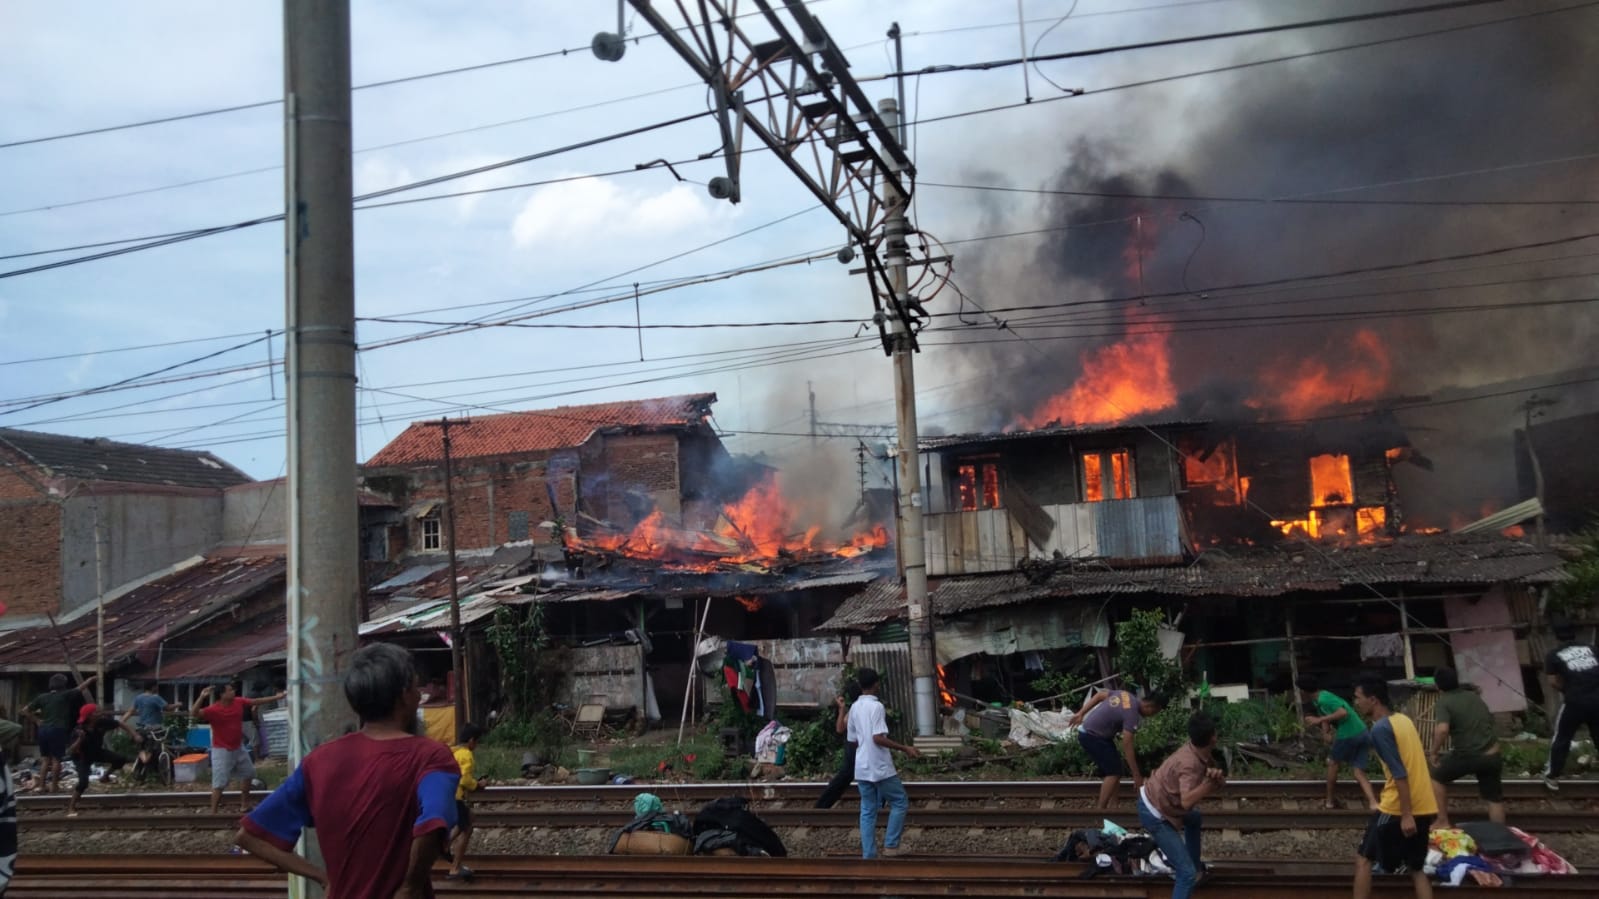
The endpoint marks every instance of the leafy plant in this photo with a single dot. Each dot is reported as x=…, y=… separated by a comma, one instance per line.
x=1062, y=759
x=1138, y=655
x=814, y=747
x=533, y=670
x=1160, y=734
x=1575, y=595
x=1060, y=682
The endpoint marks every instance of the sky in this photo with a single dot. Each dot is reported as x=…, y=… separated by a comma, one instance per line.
x=70, y=66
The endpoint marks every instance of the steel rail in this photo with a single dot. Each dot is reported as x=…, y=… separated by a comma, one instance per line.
x=1544, y=822
x=789, y=791
x=627, y=876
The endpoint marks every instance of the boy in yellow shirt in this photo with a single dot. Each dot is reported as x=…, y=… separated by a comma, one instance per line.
x=464, y=747
x=1396, y=837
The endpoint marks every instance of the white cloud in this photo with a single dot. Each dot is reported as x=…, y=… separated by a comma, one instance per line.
x=578, y=212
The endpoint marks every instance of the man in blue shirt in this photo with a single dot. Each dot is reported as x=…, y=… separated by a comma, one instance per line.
x=149, y=712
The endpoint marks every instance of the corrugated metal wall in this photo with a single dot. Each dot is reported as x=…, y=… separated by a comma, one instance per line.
x=898, y=693
x=1147, y=527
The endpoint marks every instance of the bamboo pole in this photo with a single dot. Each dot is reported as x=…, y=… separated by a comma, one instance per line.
x=693, y=660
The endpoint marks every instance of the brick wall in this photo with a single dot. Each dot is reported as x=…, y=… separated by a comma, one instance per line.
x=617, y=478
x=486, y=495
x=641, y=469
x=30, y=544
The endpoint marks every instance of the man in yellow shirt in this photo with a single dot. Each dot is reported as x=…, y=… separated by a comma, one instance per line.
x=1396, y=838
x=464, y=749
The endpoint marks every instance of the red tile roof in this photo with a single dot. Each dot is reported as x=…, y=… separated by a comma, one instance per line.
x=540, y=430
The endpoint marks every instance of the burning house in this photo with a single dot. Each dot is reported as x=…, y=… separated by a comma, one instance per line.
x=634, y=533
x=1280, y=547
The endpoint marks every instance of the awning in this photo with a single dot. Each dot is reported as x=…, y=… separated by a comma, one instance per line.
x=424, y=509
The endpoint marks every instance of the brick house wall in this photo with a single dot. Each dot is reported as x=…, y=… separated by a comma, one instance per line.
x=618, y=478
x=496, y=501
x=30, y=541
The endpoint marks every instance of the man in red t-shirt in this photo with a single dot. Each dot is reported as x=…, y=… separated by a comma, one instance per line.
x=382, y=799
x=228, y=758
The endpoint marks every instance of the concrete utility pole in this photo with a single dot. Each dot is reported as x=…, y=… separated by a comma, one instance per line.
x=457, y=659
x=913, y=544
x=324, y=533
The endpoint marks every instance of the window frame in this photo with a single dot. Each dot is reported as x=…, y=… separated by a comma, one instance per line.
x=434, y=524
x=1106, y=457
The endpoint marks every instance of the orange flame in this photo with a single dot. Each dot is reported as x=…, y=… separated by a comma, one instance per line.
x=1330, y=481
x=1302, y=386
x=759, y=527
x=1119, y=381
x=944, y=695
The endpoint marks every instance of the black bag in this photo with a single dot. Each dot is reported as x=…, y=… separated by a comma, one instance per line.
x=732, y=814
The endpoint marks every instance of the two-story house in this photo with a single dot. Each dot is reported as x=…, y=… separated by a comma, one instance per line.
x=1278, y=547
x=611, y=463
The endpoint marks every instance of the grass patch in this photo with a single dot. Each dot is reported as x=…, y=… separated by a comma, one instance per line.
x=700, y=757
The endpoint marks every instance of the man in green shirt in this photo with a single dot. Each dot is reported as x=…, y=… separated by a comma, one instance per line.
x=56, y=712
x=1344, y=731
x=1464, y=720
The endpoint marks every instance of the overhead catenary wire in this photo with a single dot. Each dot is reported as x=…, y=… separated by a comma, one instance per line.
x=926, y=120
x=387, y=82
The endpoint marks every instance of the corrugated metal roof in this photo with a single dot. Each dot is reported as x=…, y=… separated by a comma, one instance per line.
x=224, y=658
x=137, y=621
x=539, y=430
x=883, y=600
x=98, y=459
x=410, y=576
x=1438, y=561
x=953, y=440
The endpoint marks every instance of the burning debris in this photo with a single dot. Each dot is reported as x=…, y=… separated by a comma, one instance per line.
x=757, y=532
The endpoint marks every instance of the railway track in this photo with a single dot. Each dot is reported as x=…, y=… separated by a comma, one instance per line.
x=921, y=793
x=1061, y=820
x=74, y=877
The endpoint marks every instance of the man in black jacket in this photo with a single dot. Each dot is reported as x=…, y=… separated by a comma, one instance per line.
x=1573, y=669
x=846, y=772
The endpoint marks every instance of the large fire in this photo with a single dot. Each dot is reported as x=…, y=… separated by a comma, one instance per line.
x=1119, y=381
x=759, y=527
x=1301, y=386
x=1134, y=376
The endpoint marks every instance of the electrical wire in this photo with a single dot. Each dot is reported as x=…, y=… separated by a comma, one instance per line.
x=1306, y=199
x=991, y=65
x=389, y=82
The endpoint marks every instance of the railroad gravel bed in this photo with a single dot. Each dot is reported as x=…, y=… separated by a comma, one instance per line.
x=1581, y=849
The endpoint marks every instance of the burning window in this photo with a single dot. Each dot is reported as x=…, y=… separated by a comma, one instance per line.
x=977, y=486
x=1330, y=481
x=1216, y=470
x=432, y=533
x=1107, y=474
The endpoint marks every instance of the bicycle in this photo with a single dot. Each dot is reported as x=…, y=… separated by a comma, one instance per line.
x=159, y=756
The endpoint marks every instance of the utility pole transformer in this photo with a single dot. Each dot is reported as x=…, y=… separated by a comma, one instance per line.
x=324, y=532
x=812, y=114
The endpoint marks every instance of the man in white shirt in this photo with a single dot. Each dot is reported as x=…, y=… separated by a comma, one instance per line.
x=874, y=767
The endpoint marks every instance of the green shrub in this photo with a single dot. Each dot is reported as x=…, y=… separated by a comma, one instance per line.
x=814, y=747
x=1138, y=655
x=1159, y=735
x=1524, y=758
x=544, y=733
x=1062, y=760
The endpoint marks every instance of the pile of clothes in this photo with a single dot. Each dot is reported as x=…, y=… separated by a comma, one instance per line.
x=1487, y=854
x=1110, y=849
